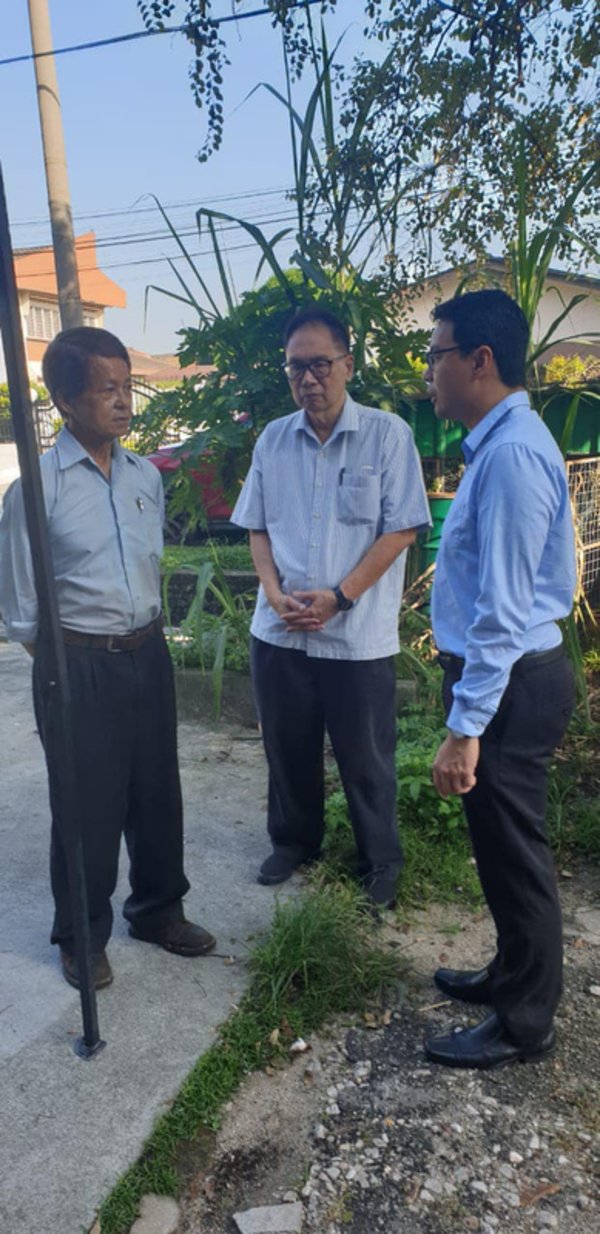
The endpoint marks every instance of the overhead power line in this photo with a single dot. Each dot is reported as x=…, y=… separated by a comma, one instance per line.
x=170, y=205
x=188, y=29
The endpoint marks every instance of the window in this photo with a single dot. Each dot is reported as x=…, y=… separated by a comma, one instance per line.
x=43, y=321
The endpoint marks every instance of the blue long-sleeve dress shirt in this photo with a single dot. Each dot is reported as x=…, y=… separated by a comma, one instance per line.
x=106, y=541
x=323, y=506
x=506, y=568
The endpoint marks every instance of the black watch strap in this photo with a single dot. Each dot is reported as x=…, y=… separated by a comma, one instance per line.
x=343, y=603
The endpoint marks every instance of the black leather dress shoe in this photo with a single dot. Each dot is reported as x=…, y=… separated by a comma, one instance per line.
x=179, y=937
x=280, y=866
x=486, y=1047
x=466, y=987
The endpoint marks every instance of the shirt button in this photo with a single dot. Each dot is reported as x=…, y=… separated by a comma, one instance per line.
x=316, y=515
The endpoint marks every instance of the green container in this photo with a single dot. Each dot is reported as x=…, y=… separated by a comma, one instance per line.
x=439, y=505
x=585, y=438
x=434, y=438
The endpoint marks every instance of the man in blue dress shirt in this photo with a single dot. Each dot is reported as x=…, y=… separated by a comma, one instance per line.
x=505, y=575
x=105, y=511
x=334, y=497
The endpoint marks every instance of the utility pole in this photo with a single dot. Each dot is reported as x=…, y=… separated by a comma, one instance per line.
x=57, y=180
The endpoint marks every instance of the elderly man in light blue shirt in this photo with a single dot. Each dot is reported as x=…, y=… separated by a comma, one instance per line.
x=105, y=512
x=505, y=576
x=333, y=499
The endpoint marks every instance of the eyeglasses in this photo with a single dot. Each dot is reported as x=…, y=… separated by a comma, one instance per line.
x=431, y=356
x=320, y=368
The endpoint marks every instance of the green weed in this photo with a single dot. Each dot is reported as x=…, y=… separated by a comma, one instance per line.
x=322, y=957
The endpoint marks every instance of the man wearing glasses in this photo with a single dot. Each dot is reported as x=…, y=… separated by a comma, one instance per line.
x=505, y=575
x=334, y=497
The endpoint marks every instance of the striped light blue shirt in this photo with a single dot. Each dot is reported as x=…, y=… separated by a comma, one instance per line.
x=106, y=541
x=505, y=571
x=323, y=506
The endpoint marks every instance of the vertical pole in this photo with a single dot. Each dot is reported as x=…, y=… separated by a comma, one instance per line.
x=58, y=739
x=55, y=159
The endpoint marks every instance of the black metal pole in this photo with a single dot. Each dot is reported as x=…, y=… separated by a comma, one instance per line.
x=58, y=741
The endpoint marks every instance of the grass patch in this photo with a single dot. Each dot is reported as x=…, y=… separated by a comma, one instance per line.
x=230, y=556
x=322, y=958
x=438, y=857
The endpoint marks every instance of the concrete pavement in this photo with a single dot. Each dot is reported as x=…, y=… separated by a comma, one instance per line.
x=70, y=1128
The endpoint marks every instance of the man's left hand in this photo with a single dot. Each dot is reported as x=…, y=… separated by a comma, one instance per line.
x=455, y=764
x=319, y=607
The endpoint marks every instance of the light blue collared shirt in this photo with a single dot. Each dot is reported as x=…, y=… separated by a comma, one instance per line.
x=106, y=540
x=323, y=506
x=505, y=571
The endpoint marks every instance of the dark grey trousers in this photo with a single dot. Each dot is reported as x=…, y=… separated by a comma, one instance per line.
x=124, y=733
x=506, y=813
x=297, y=698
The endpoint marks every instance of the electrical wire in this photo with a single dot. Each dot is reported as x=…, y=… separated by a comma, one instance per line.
x=188, y=29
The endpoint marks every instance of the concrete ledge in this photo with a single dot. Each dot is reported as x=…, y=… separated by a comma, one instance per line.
x=195, y=697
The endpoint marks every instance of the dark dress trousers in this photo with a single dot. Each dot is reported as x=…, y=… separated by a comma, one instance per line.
x=506, y=815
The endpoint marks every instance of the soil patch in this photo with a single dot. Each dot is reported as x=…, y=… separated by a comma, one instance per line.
x=370, y=1137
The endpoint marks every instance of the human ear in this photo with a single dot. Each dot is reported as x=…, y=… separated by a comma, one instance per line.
x=483, y=360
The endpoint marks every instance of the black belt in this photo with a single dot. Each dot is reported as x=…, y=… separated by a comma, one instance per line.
x=449, y=661
x=114, y=642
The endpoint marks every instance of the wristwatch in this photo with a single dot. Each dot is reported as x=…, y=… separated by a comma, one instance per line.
x=458, y=736
x=342, y=601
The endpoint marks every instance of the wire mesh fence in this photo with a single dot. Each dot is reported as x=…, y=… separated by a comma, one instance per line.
x=584, y=487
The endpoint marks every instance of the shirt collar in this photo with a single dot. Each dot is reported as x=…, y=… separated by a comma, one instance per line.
x=347, y=422
x=70, y=451
x=486, y=426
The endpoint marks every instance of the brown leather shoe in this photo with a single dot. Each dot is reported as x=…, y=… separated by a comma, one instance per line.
x=180, y=937
x=101, y=970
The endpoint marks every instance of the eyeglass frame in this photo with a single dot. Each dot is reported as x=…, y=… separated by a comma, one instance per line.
x=306, y=366
x=431, y=356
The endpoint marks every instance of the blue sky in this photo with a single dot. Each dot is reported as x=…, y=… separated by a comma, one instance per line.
x=131, y=129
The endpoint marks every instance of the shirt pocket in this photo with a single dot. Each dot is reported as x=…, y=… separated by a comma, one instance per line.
x=359, y=497
x=149, y=519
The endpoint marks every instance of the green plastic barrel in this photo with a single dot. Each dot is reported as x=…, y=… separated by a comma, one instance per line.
x=439, y=505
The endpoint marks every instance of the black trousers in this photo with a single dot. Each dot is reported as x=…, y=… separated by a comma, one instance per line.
x=297, y=698
x=506, y=814
x=125, y=738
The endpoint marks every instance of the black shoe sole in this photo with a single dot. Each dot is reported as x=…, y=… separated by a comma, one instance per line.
x=273, y=880
x=475, y=1065
x=187, y=952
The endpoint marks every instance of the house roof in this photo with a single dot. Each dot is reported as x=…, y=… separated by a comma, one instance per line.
x=155, y=369
x=499, y=265
x=35, y=271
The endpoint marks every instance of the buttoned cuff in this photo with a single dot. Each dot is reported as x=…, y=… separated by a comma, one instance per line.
x=21, y=631
x=472, y=721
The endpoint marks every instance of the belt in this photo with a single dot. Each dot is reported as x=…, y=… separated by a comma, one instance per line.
x=449, y=661
x=114, y=642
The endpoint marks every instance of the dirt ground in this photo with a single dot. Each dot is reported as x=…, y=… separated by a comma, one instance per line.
x=368, y=1136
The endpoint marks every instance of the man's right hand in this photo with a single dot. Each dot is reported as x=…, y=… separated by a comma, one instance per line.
x=285, y=605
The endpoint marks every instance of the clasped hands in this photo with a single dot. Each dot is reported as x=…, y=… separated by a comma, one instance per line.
x=305, y=610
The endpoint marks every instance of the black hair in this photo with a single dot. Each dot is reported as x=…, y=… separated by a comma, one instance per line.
x=66, y=361
x=490, y=318
x=314, y=315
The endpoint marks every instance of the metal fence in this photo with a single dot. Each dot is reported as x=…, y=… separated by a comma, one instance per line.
x=584, y=487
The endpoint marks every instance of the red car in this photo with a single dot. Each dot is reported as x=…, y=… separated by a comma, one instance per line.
x=215, y=504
